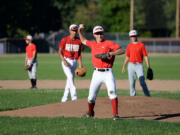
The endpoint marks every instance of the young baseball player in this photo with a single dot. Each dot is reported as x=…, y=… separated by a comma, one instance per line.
x=70, y=49
x=103, y=55
x=135, y=53
x=31, y=60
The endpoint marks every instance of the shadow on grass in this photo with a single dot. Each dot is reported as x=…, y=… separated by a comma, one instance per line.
x=159, y=116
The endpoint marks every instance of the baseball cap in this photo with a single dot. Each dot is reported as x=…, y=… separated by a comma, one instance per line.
x=133, y=33
x=98, y=29
x=73, y=27
x=28, y=37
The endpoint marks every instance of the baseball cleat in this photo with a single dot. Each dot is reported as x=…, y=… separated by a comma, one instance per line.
x=33, y=88
x=116, y=117
x=87, y=115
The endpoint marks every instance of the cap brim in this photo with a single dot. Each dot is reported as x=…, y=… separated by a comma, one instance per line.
x=98, y=31
x=133, y=36
x=27, y=39
x=74, y=29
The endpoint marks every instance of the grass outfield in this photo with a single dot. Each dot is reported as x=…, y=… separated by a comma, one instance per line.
x=16, y=99
x=77, y=126
x=12, y=67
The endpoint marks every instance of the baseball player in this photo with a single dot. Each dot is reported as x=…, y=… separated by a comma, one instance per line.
x=70, y=49
x=103, y=55
x=31, y=60
x=135, y=53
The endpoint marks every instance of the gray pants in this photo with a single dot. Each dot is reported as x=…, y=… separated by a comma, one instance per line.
x=133, y=70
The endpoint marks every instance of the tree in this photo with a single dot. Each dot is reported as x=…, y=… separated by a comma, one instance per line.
x=88, y=15
x=67, y=10
x=152, y=17
x=115, y=15
x=21, y=17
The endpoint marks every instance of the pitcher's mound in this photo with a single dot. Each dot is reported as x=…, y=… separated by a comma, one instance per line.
x=137, y=107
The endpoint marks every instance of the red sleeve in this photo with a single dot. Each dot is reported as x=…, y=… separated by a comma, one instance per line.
x=34, y=48
x=114, y=46
x=128, y=51
x=89, y=43
x=144, y=50
x=62, y=44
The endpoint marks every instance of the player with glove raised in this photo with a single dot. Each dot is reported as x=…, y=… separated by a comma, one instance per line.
x=135, y=53
x=103, y=54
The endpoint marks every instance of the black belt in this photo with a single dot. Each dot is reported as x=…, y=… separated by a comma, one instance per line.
x=101, y=69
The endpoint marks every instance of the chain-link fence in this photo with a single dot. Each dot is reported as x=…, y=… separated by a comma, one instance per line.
x=50, y=43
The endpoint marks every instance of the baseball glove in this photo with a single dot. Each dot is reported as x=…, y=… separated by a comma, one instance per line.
x=103, y=56
x=80, y=71
x=150, y=74
x=28, y=67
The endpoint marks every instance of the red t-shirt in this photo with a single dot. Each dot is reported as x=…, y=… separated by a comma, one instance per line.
x=30, y=49
x=99, y=48
x=136, y=52
x=71, y=48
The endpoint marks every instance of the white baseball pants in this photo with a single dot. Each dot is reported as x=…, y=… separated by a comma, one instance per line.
x=98, y=78
x=70, y=74
x=32, y=73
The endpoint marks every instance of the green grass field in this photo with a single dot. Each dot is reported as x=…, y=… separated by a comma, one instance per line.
x=12, y=68
x=49, y=67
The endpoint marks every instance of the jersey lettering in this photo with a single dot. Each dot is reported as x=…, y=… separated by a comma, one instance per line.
x=72, y=48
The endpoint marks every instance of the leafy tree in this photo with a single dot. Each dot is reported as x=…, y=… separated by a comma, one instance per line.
x=32, y=16
x=152, y=17
x=88, y=15
x=170, y=12
x=67, y=10
x=114, y=15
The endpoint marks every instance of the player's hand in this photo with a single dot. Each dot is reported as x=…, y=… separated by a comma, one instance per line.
x=123, y=70
x=81, y=26
x=66, y=63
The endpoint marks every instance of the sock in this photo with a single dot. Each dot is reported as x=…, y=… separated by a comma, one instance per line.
x=32, y=83
x=91, y=108
x=114, y=103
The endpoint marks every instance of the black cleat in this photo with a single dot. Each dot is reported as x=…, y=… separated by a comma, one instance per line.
x=116, y=117
x=87, y=115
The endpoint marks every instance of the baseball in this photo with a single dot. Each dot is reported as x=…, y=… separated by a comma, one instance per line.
x=81, y=26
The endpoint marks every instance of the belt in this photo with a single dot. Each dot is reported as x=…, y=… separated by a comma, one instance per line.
x=101, y=69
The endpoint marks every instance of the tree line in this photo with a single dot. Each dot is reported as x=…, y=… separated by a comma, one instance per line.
x=152, y=18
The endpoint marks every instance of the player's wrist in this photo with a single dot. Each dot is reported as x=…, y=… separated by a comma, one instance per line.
x=110, y=53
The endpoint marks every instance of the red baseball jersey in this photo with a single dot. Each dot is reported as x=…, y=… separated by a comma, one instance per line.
x=136, y=52
x=71, y=48
x=30, y=49
x=99, y=48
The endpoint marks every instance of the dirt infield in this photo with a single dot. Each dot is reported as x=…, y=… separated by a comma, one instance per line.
x=160, y=85
x=138, y=107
